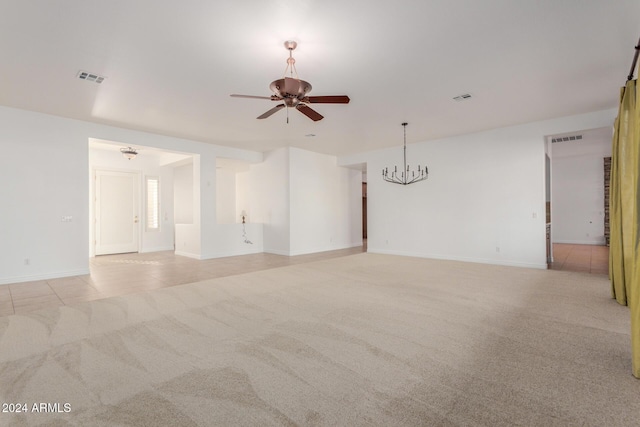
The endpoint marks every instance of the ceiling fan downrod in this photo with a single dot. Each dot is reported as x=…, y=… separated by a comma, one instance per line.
x=291, y=62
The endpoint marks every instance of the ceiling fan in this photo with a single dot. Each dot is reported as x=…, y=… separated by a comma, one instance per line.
x=293, y=92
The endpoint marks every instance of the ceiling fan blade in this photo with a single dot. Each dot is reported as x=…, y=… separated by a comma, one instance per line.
x=271, y=111
x=335, y=99
x=309, y=112
x=250, y=96
x=291, y=86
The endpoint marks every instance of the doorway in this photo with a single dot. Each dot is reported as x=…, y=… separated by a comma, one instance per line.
x=578, y=201
x=117, y=217
x=364, y=212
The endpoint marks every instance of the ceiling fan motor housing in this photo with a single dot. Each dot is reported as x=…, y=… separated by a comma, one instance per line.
x=292, y=93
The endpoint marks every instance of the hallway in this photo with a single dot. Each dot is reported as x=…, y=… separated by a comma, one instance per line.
x=592, y=259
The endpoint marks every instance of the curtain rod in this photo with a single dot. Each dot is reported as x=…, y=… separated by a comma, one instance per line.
x=635, y=61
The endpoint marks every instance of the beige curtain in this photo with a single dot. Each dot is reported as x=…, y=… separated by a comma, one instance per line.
x=624, y=208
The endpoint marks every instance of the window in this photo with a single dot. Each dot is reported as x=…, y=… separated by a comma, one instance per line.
x=153, y=203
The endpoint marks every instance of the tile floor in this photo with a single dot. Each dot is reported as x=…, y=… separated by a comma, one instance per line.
x=113, y=275
x=587, y=258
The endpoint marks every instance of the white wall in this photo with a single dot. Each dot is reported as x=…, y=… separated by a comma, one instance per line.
x=484, y=200
x=226, y=196
x=45, y=176
x=577, y=206
x=269, y=200
x=188, y=240
x=326, y=203
x=183, y=194
x=231, y=238
x=243, y=196
x=478, y=204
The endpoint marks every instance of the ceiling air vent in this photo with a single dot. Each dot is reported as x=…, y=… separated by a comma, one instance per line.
x=462, y=97
x=566, y=138
x=90, y=77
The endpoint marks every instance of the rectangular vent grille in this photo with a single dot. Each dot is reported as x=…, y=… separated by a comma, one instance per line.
x=462, y=97
x=90, y=77
x=566, y=138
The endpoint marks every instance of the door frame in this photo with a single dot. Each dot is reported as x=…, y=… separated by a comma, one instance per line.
x=93, y=205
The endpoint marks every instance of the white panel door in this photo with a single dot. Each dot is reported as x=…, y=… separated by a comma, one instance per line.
x=117, y=216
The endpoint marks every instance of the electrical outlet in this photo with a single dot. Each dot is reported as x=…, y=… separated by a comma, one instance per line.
x=498, y=249
x=27, y=261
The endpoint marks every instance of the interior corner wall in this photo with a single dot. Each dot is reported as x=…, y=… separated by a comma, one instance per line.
x=183, y=194
x=325, y=205
x=269, y=200
x=355, y=179
x=206, y=188
x=186, y=207
x=45, y=176
x=484, y=200
x=243, y=201
x=225, y=196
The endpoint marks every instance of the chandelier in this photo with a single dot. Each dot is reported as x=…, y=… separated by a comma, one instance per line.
x=405, y=176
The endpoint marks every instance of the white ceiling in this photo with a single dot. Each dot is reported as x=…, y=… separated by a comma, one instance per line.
x=170, y=65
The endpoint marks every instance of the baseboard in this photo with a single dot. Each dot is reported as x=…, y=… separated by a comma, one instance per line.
x=325, y=249
x=188, y=254
x=228, y=254
x=542, y=266
x=44, y=276
x=276, y=252
x=580, y=242
x=157, y=249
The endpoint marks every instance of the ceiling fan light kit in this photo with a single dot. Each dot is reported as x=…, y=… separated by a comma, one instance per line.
x=293, y=92
x=129, y=153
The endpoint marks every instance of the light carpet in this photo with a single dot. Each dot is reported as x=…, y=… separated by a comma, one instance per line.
x=366, y=339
